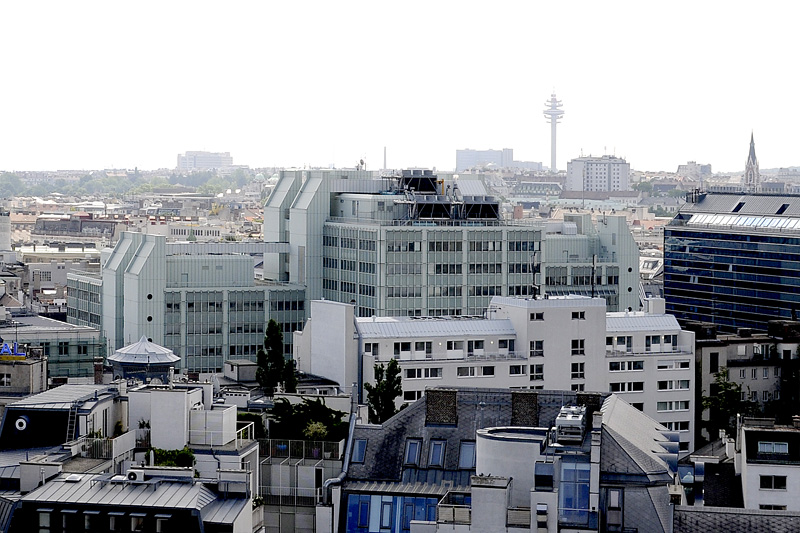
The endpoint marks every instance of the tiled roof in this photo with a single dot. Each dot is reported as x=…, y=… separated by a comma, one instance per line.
x=726, y=520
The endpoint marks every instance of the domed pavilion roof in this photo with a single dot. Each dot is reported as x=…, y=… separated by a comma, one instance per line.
x=144, y=352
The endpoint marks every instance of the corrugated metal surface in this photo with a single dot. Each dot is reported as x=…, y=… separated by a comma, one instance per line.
x=223, y=511
x=60, y=397
x=433, y=327
x=753, y=204
x=90, y=491
x=621, y=322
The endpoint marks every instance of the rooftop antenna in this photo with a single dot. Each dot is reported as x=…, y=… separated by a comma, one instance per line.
x=553, y=114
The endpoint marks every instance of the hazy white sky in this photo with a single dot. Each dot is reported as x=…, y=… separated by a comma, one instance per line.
x=122, y=84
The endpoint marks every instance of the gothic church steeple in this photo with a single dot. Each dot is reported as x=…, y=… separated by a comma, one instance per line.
x=752, y=179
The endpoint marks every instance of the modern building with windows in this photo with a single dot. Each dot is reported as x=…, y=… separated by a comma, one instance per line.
x=199, y=300
x=598, y=174
x=568, y=342
x=413, y=244
x=734, y=260
x=198, y=160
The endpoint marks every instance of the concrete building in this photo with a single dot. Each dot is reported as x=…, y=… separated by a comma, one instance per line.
x=732, y=259
x=199, y=300
x=579, y=462
x=414, y=244
x=204, y=160
x=598, y=174
x=566, y=343
x=496, y=159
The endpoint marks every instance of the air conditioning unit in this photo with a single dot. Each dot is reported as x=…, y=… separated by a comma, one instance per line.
x=135, y=475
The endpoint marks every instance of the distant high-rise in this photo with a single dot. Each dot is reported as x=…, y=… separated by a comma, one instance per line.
x=752, y=179
x=553, y=113
x=204, y=160
x=598, y=174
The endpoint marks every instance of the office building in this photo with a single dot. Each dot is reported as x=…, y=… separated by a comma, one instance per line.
x=492, y=159
x=733, y=260
x=199, y=300
x=414, y=244
x=566, y=343
x=204, y=160
x=598, y=174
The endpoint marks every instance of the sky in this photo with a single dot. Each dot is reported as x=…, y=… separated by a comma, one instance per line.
x=92, y=85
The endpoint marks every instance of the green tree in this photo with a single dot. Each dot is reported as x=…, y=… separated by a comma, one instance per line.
x=306, y=420
x=724, y=403
x=381, y=396
x=270, y=357
x=289, y=376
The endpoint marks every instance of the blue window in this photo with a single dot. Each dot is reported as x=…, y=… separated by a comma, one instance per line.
x=359, y=450
x=412, y=451
x=436, y=457
x=466, y=456
x=573, y=494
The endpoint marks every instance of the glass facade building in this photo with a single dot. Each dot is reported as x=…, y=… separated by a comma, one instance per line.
x=734, y=260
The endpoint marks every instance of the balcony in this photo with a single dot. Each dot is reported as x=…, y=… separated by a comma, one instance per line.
x=453, y=514
x=301, y=449
x=639, y=352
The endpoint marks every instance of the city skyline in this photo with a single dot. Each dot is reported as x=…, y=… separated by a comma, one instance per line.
x=318, y=84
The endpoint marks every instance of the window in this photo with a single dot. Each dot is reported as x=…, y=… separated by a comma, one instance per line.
x=577, y=370
x=455, y=345
x=63, y=348
x=516, y=370
x=678, y=384
x=713, y=362
x=639, y=406
x=742, y=373
x=359, y=450
x=386, y=515
x=773, y=447
x=371, y=348
x=401, y=347
x=579, y=315
x=423, y=346
x=772, y=482
x=436, y=455
x=412, y=451
x=465, y=371
x=537, y=316
x=622, y=366
x=673, y=364
x=765, y=373
x=680, y=405
x=433, y=372
x=537, y=372
x=765, y=396
x=573, y=494
x=753, y=373
x=677, y=426
x=577, y=387
x=466, y=455
x=771, y=507
x=630, y=386
x=487, y=371
x=411, y=395
x=537, y=349
x=578, y=347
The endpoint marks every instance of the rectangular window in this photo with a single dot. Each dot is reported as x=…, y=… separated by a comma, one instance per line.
x=753, y=373
x=466, y=455
x=577, y=387
x=577, y=370
x=537, y=349
x=359, y=450
x=465, y=371
x=487, y=371
x=537, y=372
x=537, y=316
x=412, y=451
x=579, y=315
x=742, y=373
x=386, y=515
x=765, y=373
x=436, y=455
x=455, y=345
x=772, y=482
x=713, y=362
x=773, y=447
x=578, y=347
x=516, y=370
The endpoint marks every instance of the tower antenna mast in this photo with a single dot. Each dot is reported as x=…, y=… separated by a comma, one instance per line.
x=553, y=114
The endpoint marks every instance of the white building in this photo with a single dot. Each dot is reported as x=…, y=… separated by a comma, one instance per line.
x=768, y=460
x=556, y=343
x=598, y=174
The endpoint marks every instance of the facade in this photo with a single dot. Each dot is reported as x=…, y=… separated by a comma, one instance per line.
x=587, y=462
x=566, y=343
x=414, y=244
x=204, y=160
x=71, y=350
x=199, y=300
x=598, y=174
x=733, y=260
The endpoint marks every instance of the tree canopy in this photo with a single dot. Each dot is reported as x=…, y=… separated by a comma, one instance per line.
x=381, y=396
x=270, y=358
x=309, y=420
x=724, y=403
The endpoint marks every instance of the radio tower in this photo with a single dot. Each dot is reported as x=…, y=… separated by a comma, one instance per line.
x=553, y=113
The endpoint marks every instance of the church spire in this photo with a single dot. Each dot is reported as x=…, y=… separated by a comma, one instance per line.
x=752, y=179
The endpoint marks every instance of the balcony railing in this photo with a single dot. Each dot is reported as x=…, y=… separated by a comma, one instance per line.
x=301, y=449
x=290, y=496
x=519, y=517
x=638, y=352
x=453, y=514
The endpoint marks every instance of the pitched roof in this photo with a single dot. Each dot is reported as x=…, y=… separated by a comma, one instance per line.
x=728, y=520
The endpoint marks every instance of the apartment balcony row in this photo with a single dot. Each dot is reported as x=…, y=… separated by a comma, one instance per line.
x=638, y=352
x=467, y=356
x=281, y=449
